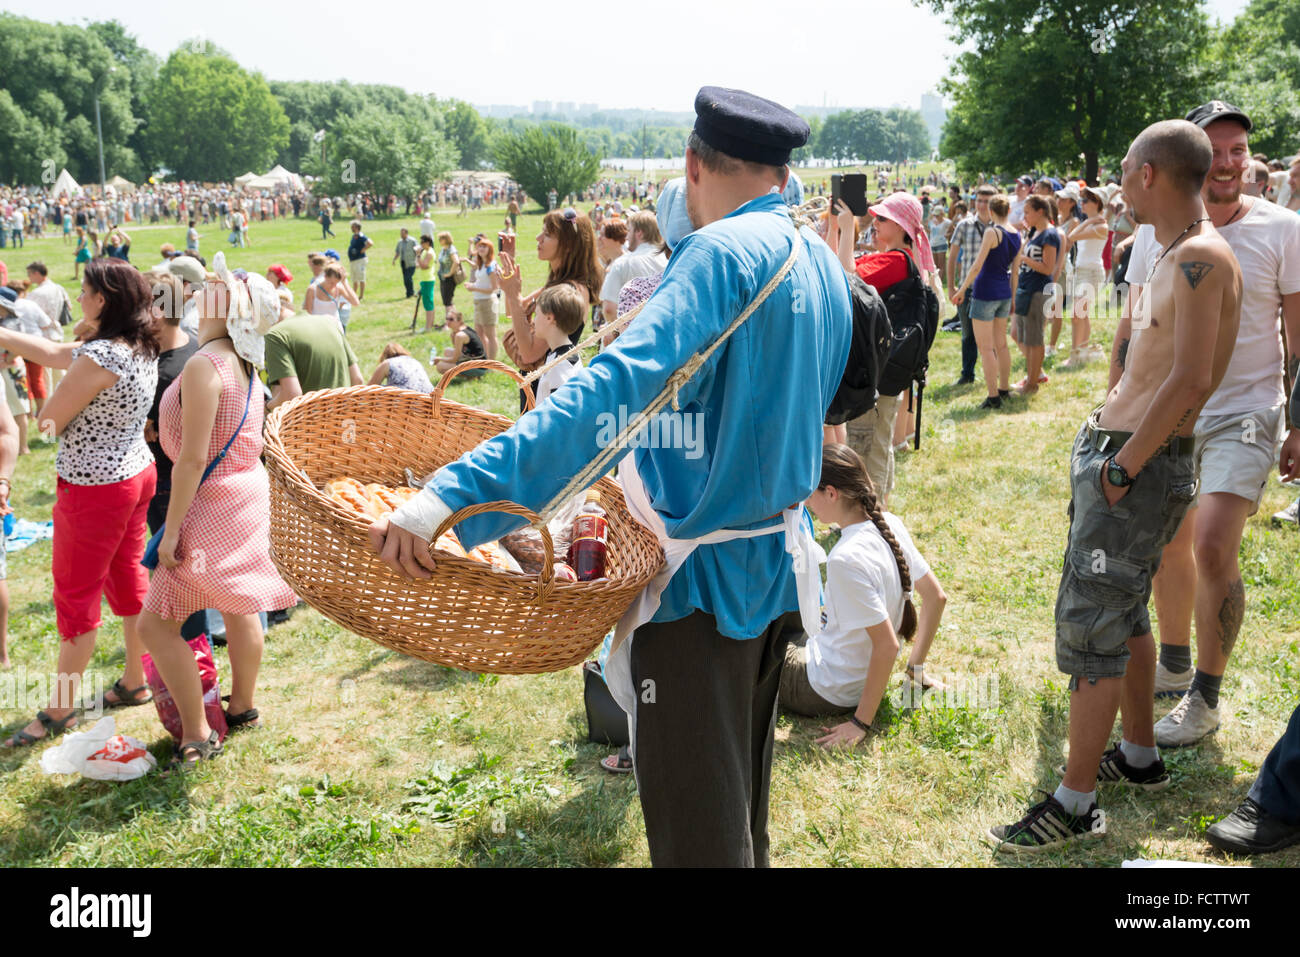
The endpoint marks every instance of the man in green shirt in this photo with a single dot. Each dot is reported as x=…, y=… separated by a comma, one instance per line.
x=306, y=353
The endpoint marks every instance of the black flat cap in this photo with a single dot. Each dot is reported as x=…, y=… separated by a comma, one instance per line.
x=1215, y=110
x=748, y=127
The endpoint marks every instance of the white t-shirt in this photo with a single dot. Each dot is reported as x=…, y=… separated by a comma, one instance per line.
x=427, y=227
x=645, y=260
x=862, y=589
x=556, y=377
x=1016, y=216
x=481, y=285
x=50, y=297
x=31, y=317
x=1266, y=242
x=1145, y=251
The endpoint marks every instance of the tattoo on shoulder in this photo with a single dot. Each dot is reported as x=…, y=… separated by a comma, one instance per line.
x=1195, y=272
x=1123, y=352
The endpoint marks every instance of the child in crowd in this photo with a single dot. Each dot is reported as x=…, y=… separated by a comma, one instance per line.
x=845, y=668
x=316, y=263
x=465, y=345
x=561, y=310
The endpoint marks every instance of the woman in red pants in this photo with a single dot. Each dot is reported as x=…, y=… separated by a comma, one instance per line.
x=105, y=480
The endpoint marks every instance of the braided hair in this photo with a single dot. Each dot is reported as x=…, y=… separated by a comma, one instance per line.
x=843, y=469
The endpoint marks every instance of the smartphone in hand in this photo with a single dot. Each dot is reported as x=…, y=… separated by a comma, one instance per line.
x=853, y=190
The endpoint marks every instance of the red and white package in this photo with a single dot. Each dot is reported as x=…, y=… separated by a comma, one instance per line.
x=120, y=759
x=162, y=698
x=99, y=752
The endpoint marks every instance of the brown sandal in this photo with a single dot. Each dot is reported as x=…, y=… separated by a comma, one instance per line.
x=22, y=739
x=126, y=697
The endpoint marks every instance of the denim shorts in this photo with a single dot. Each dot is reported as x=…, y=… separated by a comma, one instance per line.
x=989, y=309
x=1112, y=554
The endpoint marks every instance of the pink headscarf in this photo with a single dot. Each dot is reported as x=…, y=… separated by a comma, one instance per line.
x=905, y=209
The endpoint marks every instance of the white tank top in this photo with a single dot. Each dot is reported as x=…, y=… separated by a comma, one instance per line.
x=323, y=304
x=1090, y=251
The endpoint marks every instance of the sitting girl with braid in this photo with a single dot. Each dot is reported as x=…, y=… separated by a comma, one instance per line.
x=845, y=667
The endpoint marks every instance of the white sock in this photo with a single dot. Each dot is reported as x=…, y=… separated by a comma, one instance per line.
x=1075, y=802
x=1137, y=755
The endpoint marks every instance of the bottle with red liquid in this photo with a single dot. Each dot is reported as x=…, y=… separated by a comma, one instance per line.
x=587, y=552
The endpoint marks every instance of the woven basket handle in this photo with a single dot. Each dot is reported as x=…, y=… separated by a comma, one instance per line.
x=545, y=580
x=478, y=364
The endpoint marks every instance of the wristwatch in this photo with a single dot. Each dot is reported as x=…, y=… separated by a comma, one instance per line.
x=1116, y=475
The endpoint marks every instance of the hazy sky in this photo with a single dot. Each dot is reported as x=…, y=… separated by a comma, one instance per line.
x=616, y=55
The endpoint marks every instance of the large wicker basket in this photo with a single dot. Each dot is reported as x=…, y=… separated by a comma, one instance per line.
x=467, y=615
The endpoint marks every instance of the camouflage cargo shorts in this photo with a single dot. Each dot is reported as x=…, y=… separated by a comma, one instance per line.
x=1112, y=554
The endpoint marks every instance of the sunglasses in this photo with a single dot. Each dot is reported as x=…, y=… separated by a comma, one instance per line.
x=570, y=215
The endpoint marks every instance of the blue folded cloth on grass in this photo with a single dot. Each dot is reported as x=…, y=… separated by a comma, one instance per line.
x=27, y=533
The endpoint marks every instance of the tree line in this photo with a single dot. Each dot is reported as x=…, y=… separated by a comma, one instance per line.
x=199, y=115
x=870, y=136
x=1066, y=85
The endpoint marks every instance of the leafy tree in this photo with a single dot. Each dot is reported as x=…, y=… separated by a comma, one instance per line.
x=313, y=106
x=542, y=158
x=1256, y=67
x=906, y=135
x=1048, y=82
x=467, y=132
x=381, y=152
x=806, y=152
x=141, y=70
x=212, y=120
x=52, y=73
x=871, y=135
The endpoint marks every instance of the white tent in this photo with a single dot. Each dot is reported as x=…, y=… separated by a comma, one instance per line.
x=282, y=175
x=260, y=182
x=66, y=184
x=242, y=180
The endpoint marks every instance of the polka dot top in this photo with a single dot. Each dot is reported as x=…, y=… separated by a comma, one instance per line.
x=104, y=442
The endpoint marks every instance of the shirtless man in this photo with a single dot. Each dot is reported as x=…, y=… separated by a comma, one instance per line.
x=1131, y=481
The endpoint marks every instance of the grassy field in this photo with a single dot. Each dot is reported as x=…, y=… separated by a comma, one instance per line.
x=370, y=758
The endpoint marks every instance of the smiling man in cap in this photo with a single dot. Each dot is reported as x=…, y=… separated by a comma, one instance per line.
x=697, y=661
x=1237, y=434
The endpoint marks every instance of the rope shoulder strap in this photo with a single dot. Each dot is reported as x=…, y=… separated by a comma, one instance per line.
x=668, y=394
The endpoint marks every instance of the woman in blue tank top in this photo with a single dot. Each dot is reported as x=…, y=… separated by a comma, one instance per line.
x=989, y=282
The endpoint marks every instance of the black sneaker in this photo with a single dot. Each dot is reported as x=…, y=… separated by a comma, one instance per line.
x=1004, y=393
x=1252, y=830
x=1048, y=825
x=992, y=402
x=1115, y=770
x=965, y=380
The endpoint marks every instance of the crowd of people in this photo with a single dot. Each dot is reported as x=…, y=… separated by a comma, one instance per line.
x=159, y=424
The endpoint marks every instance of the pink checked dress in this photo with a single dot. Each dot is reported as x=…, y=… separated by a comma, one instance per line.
x=225, y=538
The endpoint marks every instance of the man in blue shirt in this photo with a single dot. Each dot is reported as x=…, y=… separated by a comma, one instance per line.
x=357, y=258
x=705, y=666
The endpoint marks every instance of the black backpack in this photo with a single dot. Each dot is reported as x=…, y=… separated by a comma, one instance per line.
x=914, y=315
x=868, y=351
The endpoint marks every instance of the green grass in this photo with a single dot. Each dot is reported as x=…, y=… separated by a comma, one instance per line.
x=371, y=758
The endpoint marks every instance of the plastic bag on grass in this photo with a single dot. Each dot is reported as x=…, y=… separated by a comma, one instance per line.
x=166, y=705
x=99, y=753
